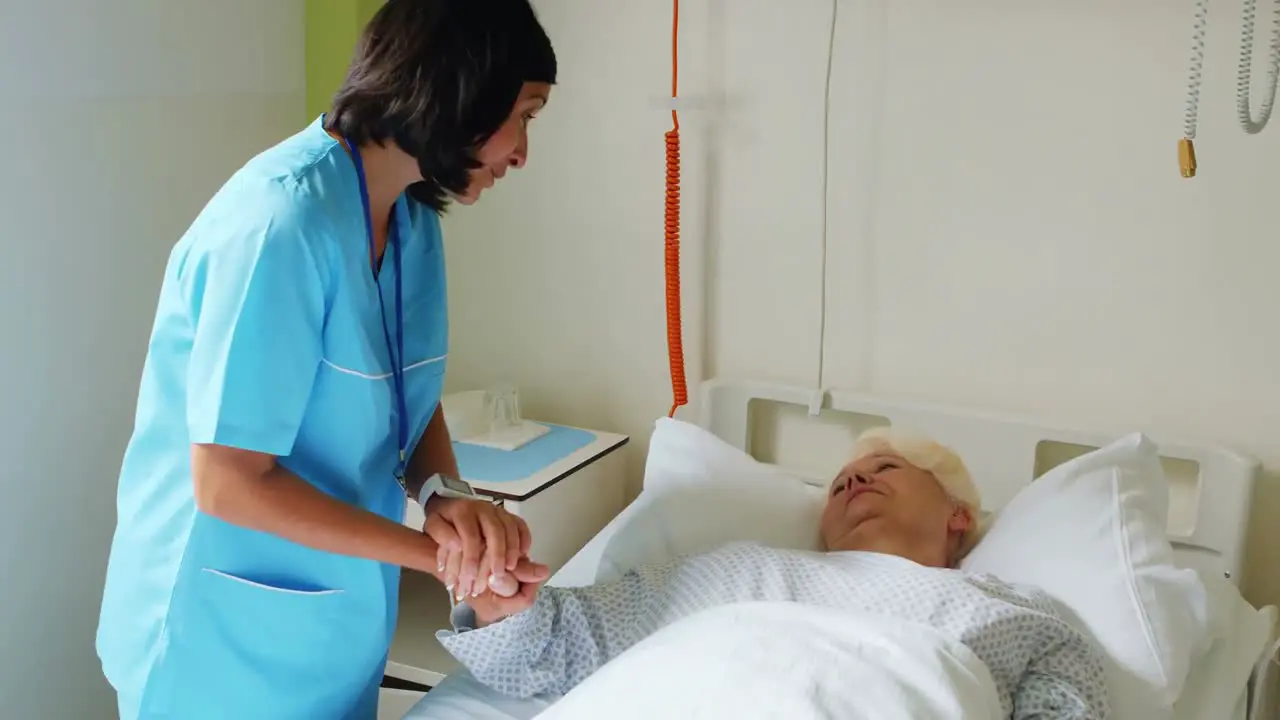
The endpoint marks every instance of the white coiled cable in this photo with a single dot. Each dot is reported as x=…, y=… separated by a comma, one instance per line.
x=1244, y=72
x=1191, y=118
x=1244, y=78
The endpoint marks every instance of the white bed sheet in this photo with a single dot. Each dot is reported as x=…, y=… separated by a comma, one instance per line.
x=461, y=697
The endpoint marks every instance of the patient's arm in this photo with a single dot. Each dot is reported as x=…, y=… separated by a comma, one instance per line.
x=1064, y=682
x=569, y=633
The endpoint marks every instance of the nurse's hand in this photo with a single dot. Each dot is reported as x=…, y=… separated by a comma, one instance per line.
x=480, y=543
x=490, y=607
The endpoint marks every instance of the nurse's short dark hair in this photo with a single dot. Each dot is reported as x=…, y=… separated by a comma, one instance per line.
x=439, y=78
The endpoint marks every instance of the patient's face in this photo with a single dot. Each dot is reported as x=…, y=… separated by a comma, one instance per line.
x=884, y=503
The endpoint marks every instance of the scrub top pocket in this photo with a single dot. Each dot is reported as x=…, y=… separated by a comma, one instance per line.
x=244, y=649
x=357, y=405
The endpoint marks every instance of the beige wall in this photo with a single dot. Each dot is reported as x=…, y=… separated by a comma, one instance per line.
x=121, y=120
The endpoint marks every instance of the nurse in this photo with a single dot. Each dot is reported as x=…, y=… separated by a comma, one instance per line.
x=290, y=395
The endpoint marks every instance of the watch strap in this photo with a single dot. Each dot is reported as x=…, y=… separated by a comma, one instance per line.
x=436, y=485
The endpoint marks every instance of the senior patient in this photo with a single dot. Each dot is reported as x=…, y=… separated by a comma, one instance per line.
x=898, y=518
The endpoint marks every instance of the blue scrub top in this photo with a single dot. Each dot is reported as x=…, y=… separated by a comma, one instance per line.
x=268, y=336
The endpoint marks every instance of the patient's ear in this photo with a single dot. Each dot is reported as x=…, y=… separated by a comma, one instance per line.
x=961, y=519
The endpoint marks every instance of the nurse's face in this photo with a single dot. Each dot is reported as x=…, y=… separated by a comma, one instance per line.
x=509, y=147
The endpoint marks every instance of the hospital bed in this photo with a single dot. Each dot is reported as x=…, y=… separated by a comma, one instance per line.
x=810, y=433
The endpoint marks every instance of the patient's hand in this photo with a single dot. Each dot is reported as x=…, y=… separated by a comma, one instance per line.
x=490, y=607
x=478, y=543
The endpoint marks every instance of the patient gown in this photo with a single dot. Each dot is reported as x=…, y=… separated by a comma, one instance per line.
x=1041, y=666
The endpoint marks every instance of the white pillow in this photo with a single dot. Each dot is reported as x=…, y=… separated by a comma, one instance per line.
x=683, y=454
x=1091, y=533
x=700, y=493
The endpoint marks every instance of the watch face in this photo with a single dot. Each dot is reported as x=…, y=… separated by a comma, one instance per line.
x=455, y=484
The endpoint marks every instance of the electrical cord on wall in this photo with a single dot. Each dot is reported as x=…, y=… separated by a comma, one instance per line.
x=820, y=391
x=1244, y=80
x=671, y=222
x=1191, y=117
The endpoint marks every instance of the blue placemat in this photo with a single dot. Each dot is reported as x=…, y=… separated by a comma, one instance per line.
x=484, y=464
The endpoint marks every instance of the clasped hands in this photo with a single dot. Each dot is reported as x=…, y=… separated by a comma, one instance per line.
x=483, y=556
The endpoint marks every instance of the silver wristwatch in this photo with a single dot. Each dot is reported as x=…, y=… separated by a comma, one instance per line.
x=444, y=486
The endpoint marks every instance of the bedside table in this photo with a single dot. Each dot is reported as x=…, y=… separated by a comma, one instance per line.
x=566, y=485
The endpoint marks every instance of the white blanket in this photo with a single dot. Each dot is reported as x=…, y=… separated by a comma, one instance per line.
x=785, y=660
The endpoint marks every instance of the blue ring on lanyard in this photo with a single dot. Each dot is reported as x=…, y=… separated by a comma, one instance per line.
x=396, y=352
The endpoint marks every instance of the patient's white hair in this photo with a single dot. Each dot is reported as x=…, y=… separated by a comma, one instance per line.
x=935, y=458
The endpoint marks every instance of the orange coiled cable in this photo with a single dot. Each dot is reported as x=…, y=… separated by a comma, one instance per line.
x=675, y=349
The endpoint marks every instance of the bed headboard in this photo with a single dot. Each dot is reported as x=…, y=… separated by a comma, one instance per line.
x=811, y=433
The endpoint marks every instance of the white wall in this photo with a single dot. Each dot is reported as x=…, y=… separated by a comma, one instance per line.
x=1007, y=224
x=120, y=120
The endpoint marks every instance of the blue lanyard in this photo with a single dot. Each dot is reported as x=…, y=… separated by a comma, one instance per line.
x=396, y=352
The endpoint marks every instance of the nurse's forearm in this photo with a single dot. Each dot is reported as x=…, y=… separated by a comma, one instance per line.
x=434, y=454
x=251, y=490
